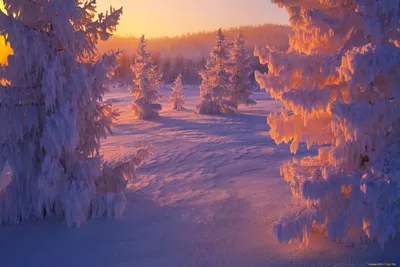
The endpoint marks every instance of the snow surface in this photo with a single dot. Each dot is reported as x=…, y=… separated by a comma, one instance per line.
x=208, y=197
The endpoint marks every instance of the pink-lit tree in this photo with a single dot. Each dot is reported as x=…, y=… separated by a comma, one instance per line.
x=215, y=90
x=340, y=78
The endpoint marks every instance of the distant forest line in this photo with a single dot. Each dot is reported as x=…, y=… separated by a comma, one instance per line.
x=186, y=54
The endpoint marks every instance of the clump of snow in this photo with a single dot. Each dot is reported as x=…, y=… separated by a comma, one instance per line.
x=117, y=173
x=340, y=79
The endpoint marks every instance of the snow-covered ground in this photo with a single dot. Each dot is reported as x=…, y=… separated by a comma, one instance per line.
x=208, y=197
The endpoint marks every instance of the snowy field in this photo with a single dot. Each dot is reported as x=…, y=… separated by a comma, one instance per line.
x=208, y=197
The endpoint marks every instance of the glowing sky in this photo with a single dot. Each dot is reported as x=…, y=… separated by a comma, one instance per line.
x=174, y=17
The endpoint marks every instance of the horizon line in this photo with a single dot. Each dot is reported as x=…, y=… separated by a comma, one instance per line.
x=197, y=32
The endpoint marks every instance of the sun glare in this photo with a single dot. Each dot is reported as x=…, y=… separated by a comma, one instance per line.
x=5, y=49
x=2, y=9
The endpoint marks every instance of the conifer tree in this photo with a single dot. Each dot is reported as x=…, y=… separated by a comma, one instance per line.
x=215, y=91
x=146, y=81
x=340, y=79
x=240, y=70
x=176, y=98
x=54, y=114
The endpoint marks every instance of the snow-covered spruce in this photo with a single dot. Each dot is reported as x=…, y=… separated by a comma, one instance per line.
x=240, y=70
x=146, y=82
x=176, y=98
x=215, y=94
x=340, y=78
x=54, y=112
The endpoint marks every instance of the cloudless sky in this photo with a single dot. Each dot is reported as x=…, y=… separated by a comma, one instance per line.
x=173, y=17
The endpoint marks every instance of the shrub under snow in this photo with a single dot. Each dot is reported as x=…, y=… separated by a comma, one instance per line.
x=340, y=78
x=116, y=175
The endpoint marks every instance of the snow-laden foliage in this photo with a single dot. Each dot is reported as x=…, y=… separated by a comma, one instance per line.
x=215, y=93
x=176, y=98
x=146, y=81
x=52, y=110
x=240, y=70
x=340, y=78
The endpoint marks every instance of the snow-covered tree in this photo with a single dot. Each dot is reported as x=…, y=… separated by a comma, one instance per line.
x=240, y=70
x=215, y=92
x=340, y=78
x=176, y=98
x=146, y=81
x=53, y=113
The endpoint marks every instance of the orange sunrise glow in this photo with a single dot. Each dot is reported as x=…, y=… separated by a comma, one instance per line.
x=157, y=18
x=5, y=49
